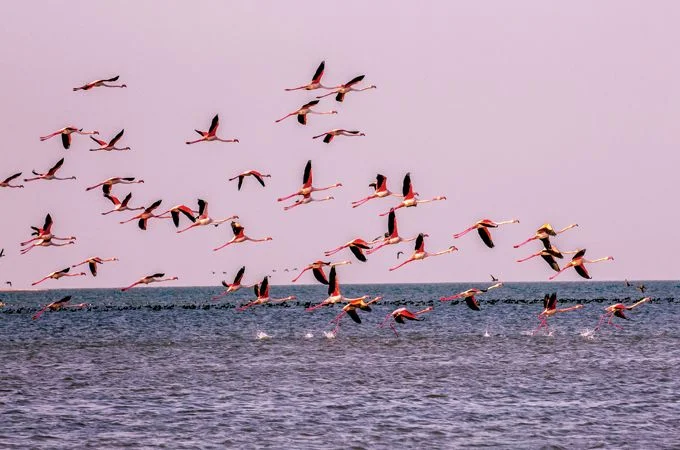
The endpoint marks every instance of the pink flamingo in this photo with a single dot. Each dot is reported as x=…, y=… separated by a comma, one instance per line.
x=254, y=173
x=380, y=191
x=66, y=133
x=316, y=80
x=410, y=197
x=392, y=236
x=109, y=146
x=618, y=311
x=302, y=112
x=92, y=263
x=351, y=310
x=211, y=134
x=578, y=263
x=317, y=270
x=100, y=83
x=176, y=210
x=6, y=181
x=307, y=188
x=117, y=204
x=155, y=278
x=262, y=294
x=204, y=219
x=50, y=174
x=57, y=305
x=549, y=256
x=59, y=274
x=356, y=246
x=401, y=314
x=550, y=309
x=45, y=233
x=482, y=228
x=469, y=296
x=334, y=293
x=235, y=285
x=543, y=234
x=240, y=236
x=329, y=135
x=347, y=88
x=145, y=215
x=420, y=253
x=47, y=242
x=115, y=180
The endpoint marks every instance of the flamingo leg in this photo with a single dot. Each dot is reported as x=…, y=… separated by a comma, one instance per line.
x=322, y=96
x=130, y=287
x=524, y=242
x=300, y=274
x=189, y=227
x=196, y=141
x=39, y=313
x=224, y=245
x=363, y=200
x=561, y=270
x=39, y=281
x=286, y=116
x=287, y=197
x=400, y=205
x=375, y=249
x=464, y=232
x=394, y=329
x=402, y=264
x=528, y=257
x=286, y=208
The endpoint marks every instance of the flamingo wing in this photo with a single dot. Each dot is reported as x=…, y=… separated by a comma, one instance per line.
x=358, y=252
x=236, y=228
x=307, y=177
x=202, y=205
x=580, y=254
x=381, y=182
x=258, y=177
x=340, y=97
x=153, y=206
x=66, y=140
x=264, y=287
x=546, y=301
x=392, y=223
x=485, y=234
x=239, y=275
x=406, y=189
x=552, y=302
x=320, y=275
x=240, y=181
x=302, y=118
x=93, y=268
x=619, y=313
x=332, y=281
x=56, y=167
x=551, y=262
x=64, y=270
x=319, y=72
x=310, y=104
x=472, y=303
x=16, y=175
x=354, y=80
x=112, y=79
x=420, y=243
x=142, y=224
x=581, y=270
x=47, y=226
x=353, y=314
x=99, y=141
x=328, y=138
x=214, y=124
x=117, y=137
x=406, y=314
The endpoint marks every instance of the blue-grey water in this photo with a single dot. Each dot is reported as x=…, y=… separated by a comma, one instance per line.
x=168, y=367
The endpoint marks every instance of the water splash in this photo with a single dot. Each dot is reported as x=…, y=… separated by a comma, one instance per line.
x=309, y=335
x=262, y=335
x=329, y=334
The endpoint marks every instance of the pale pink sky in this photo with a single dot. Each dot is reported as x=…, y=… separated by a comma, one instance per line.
x=511, y=109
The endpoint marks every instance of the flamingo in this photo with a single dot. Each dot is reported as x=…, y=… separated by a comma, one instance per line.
x=316, y=80
x=57, y=305
x=92, y=263
x=45, y=233
x=155, y=278
x=59, y=274
x=330, y=134
x=493, y=279
x=420, y=253
x=482, y=228
x=235, y=285
x=549, y=256
x=50, y=174
x=348, y=87
x=334, y=293
x=204, y=219
x=543, y=234
x=254, y=173
x=317, y=269
x=617, y=310
x=550, y=309
x=262, y=294
x=111, y=145
x=410, y=197
x=469, y=296
x=401, y=314
x=117, y=204
x=307, y=188
x=578, y=263
x=175, y=211
x=66, y=133
x=211, y=134
x=380, y=191
x=392, y=236
x=115, y=180
x=145, y=215
x=356, y=246
x=239, y=236
x=303, y=110
x=47, y=242
x=100, y=83
x=307, y=199
x=351, y=310
x=6, y=181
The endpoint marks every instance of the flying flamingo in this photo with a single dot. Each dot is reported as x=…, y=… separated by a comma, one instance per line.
x=356, y=246
x=59, y=274
x=45, y=233
x=6, y=181
x=392, y=236
x=482, y=228
x=145, y=215
x=316, y=80
x=549, y=256
x=50, y=174
x=307, y=188
x=239, y=236
x=92, y=263
x=317, y=269
x=420, y=253
x=111, y=145
x=469, y=296
x=57, y=305
x=578, y=263
x=618, y=311
x=175, y=211
x=401, y=314
x=254, y=173
x=204, y=219
x=302, y=112
x=410, y=197
x=66, y=133
x=329, y=135
x=155, y=278
x=47, y=242
x=307, y=199
x=100, y=83
x=211, y=134
x=351, y=310
x=380, y=191
x=543, y=234
x=347, y=87
x=115, y=180
x=235, y=285
x=334, y=293
x=262, y=294
x=550, y=309
x=117, y=204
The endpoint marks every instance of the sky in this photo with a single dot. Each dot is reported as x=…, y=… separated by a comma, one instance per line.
x=544, y=112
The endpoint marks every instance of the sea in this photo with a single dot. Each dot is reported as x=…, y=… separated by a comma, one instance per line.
x=172, y=368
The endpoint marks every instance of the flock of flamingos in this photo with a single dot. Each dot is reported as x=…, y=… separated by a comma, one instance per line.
x=42, y=235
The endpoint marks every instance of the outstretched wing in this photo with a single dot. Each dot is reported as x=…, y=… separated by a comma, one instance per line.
x=16, y=175
x=354, y=315
x=332, y=281
x=581, y=270
x=240, y=181
x=419, y=242
x=310, y=104
x=66, y=140
x=259, y=178
x=551, y=262
x=320, y=275
x=579, y=254
x=472, y=303
x=358, y=253
x=319, y=72
x=48, y=223
x=93, y=268
x=113, y=79
x=239, y=275
x=354, y=80
x=214, y=124
x=406, y=187
x=485, y=234
x=202, y=204
x=117, y=137
x=307, y=177
x=56, y=166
